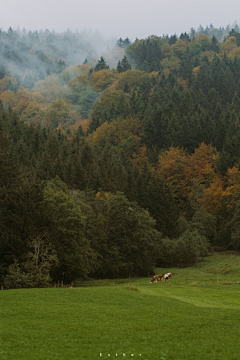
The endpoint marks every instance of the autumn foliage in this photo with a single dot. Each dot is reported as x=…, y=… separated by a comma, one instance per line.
x=119, y=170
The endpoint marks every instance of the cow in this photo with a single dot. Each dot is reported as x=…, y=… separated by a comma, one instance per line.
x=168, y=276
x=157, y=278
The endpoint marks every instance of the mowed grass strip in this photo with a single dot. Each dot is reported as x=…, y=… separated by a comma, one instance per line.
x=173, y=320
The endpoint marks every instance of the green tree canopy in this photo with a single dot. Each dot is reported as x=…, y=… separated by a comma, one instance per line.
x=101, y=65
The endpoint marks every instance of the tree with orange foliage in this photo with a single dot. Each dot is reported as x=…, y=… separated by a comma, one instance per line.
x=201, y=166
x=61, y=113
x=188, y=175
x=142, y=156
x=232, y=191
x=102, y=79
x=170, y=168
x=213, y=195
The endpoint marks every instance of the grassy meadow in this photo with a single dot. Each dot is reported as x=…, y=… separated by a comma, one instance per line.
x=194, y=316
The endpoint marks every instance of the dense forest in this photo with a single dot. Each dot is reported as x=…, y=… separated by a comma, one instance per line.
x=116, y=157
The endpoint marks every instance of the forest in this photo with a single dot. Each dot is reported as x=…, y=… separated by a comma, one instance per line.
x=116, y=156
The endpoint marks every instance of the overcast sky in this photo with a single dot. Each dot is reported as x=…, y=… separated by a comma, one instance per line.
x=118, y=18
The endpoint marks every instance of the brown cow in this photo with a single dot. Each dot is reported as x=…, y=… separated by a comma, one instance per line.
x=157, y=278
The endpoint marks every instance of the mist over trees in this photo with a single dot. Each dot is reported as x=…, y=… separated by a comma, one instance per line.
x=114, y=162
x=32, y=56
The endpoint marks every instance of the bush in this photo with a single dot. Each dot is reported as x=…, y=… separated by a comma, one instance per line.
x=183, y=251
x=16, y=277
x=40, y=259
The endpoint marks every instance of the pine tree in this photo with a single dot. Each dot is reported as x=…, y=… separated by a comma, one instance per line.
x=123, y=43
x=101, y=65
x=120, y=43
x=119, y=67
x=125, y=64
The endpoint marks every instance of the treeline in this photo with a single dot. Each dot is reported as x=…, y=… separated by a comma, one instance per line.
x=71, y=209
x=29, y=56
x=110, y=172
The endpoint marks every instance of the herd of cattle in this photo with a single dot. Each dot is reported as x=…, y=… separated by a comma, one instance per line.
x=156, y=278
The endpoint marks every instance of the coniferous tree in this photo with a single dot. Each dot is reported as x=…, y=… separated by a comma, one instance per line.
x=214, y=45
x=119, y=67
x=184, y=37
x=123, y=65
x=101, y=65
x=123, y=43
x=120, y=43
x=173, y=39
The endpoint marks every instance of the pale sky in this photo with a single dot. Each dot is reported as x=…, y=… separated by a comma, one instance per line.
x=118, y=18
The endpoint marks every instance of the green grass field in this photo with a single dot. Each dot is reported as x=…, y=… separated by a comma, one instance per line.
x=194, y=316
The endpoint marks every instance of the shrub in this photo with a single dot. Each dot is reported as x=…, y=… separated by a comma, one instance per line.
x=16, y=278
x=183, y=251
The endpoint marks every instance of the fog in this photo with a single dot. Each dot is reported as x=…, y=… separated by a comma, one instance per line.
x=112, y=18
x=31, y=56
x=48, y=31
